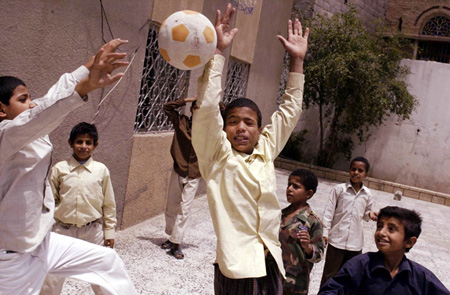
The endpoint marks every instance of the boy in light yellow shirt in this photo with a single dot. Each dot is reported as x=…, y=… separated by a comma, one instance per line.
x=84, y=197
x=236, y=156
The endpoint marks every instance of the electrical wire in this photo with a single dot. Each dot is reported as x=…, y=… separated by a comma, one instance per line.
x=133, y=55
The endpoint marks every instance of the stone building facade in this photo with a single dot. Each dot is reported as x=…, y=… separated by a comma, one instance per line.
x=426, y=23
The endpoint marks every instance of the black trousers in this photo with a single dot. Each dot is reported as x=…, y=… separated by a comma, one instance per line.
x=271, y=284
x=334, y=260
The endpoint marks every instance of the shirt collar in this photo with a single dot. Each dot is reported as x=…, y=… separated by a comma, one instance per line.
x=249, y=158
x=378, y=263
x=349, y=185
x=73, y=163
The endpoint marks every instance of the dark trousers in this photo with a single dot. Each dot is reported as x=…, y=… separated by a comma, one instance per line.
x=271, y=284
x=334, y=260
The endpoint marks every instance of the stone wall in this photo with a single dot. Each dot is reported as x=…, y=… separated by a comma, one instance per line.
x=414, y=14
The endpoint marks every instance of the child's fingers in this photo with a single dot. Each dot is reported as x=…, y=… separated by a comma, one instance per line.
x=282, y=40
x=115, y=56
x=120, y=64
x=298, y=26
x=116, y=77
x=217, y=18
x=114, y=44
x=306, y=34
x=289, y=28
x=98, y=55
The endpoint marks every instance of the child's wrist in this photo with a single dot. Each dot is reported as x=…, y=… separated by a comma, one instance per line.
x=83, y=87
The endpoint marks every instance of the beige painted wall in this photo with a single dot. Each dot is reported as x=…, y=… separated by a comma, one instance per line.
x=40, y=40
x=415, y=152
x=265, y=72
x=164, y=8
x=148, y=179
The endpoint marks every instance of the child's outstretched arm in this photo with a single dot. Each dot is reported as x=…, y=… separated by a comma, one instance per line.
x=207, y=123
x=296, y=44
x=101, y=68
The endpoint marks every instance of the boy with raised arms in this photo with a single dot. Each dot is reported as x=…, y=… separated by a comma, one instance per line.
x=236, y=156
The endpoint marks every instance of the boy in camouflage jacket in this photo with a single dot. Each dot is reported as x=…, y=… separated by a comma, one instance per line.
x=300, y=232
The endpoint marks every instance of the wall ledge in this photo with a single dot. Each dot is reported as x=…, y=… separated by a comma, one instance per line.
x=373, y=183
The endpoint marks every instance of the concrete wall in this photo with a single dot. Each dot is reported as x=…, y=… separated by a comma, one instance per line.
x=415, y=152
x=40, y=40
x=265, y=71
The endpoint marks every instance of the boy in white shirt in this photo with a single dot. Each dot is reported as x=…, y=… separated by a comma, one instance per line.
x=349, y=204
x=28, y=250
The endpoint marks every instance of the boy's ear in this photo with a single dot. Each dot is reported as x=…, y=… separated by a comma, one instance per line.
x=410, y=242
x=2, y=111
x=95, y=144
x=310, y=193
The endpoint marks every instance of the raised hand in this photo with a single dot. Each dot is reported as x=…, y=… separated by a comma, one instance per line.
x=103, y=64
x=296, y=43
x=224, y=34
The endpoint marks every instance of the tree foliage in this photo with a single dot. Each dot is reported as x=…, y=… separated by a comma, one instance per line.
x=355, y=79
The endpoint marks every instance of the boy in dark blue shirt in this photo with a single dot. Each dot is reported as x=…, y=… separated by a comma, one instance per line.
x=388, y=271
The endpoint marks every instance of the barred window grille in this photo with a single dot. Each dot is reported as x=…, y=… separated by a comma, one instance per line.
x=434, y=50
x=236, y=81
x=284, y=77
x=160, y=83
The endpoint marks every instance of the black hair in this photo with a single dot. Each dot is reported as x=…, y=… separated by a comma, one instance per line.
x=307, y=178
x=7, y=86
x=410, y=219
x=240, y=103
x=83, y=128
x=361, y=159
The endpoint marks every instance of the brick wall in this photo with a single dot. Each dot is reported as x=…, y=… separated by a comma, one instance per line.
x=368, y=10
x=414, y=13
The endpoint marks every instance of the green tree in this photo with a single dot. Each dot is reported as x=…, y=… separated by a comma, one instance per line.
x=355, y=79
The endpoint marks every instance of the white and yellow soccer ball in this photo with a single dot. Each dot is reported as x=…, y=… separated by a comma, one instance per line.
x=187, y=40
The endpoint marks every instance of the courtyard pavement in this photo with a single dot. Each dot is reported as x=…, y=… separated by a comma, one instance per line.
x=154, y=271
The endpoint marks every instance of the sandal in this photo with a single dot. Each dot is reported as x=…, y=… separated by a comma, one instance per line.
x=167, y=245
x=177, y=253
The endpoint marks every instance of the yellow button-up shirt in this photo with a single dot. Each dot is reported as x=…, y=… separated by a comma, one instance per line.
x=241, y=188
x=84, y=193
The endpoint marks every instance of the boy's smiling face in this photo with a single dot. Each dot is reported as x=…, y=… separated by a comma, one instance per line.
x=390, y=236
x=241, y=127
x=358, y=171
x=83, y=146
x=19, y=102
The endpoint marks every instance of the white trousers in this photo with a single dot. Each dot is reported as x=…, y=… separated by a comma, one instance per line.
x=179, y=200
x=92, y=233
x=67, y=257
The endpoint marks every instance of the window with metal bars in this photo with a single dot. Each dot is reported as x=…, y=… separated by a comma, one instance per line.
x=236, y=81
x=160, y=83
x=435, y=50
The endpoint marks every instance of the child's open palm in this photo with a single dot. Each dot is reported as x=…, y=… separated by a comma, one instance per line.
x=297, y=42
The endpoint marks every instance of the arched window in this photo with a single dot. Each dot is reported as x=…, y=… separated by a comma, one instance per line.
x=437, y=26
x=435, y=50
